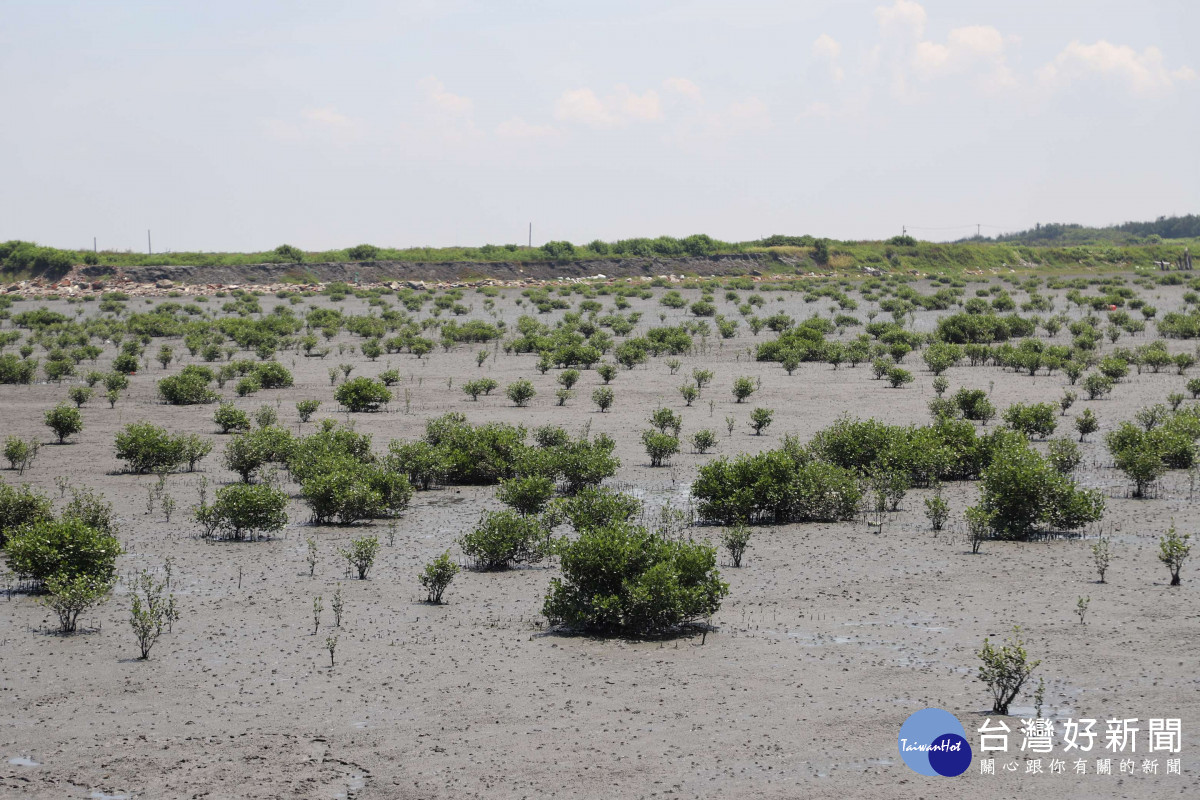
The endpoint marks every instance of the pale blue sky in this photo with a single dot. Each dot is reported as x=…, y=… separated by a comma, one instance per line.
x=241, y=125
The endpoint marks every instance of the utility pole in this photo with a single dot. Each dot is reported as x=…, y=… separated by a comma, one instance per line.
x=531, y=236
x=149, y=249
x=94, y=250
x=977, y=234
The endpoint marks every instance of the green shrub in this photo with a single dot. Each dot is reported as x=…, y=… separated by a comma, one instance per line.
x=229, y=418
x=475, y=454
x=594, y=507
x=1097, y=385
x=504, y=538
x=186, y=389
x=92, y=510
x=520, y=392
x=64, y=421
x=526, y=495
x=1064, y=455
x=71, y=595
x=479, y=386
x=1173, y=550
x=306, y=408
x=743, y=387
x=247, y=386
x=775, y=486
x=603, y=398
x=360, y=555
x=244, y=511
x=735, y=540
x=1035, y=420
x=660, y=447
x=974, y=405
x=246, y=453
x=272, y=375
x=149, y=448
x=704, y=440
x=21, y=507
x=362, y=394
x=1021, y=491
x=20, y=452
x=423, y=464
x=66, y=548
x=347, y=491
x=436, y=577
x=760, y=420
x=622, y=579
x=80, y=395
x=1086, y=423
x=1005, y=670
x=17, y=370
x=898, y=376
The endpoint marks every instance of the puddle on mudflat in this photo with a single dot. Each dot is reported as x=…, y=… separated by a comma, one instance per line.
x=354, y=784
x=103, y=796
x=23, y=761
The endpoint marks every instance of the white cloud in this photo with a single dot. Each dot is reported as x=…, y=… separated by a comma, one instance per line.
x=623, y=106
x=970, y=48
x=326, y=123
x=582, y=105
x=903, y=17
x=444, y=101
x=684, y=87
x=517, y=128
x=827, y=49
x=328, y=117
x=1143, y=72
x=645, y=106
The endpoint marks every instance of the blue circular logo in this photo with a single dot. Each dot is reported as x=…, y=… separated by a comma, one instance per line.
x=933, y=742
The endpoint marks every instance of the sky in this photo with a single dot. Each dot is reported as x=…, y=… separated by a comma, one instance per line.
x=243, y=125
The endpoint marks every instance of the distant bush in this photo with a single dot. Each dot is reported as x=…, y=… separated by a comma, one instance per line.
x=17, y=370
x=659, y=447
x=64, y=421
x=526, y=495
x=347, y=491
x=362, y=394
x=603, y=398
x=594, y=507
x=775, y=486
x=622, y=579
x=520, y=392
x=504, y=538
x=242, y=511
x=229, y=418
x=188, y=388
x=1035, y=420
x=149, y=448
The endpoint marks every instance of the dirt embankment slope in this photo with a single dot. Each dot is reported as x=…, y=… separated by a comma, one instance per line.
x=379, y=271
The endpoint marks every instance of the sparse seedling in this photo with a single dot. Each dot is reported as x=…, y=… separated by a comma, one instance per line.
x=1173, y=550
x=437, y=576
x=150, y=611
x=1101, y=556
x=735, y=540
x=361, y=554
x=338, y=605
x=1005, y=669
x=311, y=555
x=331, y=643
x=1081, y=607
